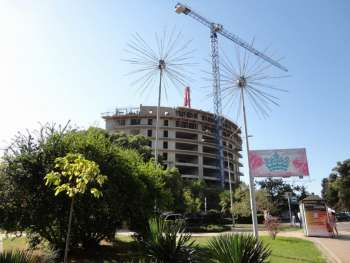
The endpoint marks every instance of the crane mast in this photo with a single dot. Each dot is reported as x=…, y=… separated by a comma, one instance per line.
x=216, y=29
x=217, y=104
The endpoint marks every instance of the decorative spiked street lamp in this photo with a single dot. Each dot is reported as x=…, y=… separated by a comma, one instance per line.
x=167, y=64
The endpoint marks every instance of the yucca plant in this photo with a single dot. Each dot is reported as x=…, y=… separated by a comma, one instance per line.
x=237, y=248
x=17, y=256
x=167, y=242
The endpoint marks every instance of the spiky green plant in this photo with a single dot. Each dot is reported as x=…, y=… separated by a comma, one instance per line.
x=17, y=256
x=168, y=243
x=237, y=248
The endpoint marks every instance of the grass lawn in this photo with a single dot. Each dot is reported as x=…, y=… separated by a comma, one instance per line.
x=284, y=249
x=289, y=249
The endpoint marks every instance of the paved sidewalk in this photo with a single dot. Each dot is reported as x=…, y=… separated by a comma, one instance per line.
x=337, y=249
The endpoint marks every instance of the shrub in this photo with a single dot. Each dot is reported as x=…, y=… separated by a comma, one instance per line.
x=248, y=219
x=212, y=217
x=237, y=248
x=168, y=243
x=272, y=224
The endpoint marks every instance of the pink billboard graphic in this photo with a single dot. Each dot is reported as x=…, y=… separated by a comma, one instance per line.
x=278, y=163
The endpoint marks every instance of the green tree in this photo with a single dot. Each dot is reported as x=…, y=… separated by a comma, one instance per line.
x=193, y=204
x=174, y=184
x=72, y=175
x=262, y=201
x=276, y=189
x=336, y=188
x=241, y=206
x=330, y=191
x=135, y=142
x=201, y=191
x=343, y=183
x=28, y=205
x=225, y=202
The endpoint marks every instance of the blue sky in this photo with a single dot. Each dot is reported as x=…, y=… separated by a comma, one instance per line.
x=61, y=60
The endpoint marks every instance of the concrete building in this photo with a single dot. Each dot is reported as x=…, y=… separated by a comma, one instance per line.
x=186, y=139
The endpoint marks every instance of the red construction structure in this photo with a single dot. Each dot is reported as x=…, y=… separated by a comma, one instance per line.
x=187, y=97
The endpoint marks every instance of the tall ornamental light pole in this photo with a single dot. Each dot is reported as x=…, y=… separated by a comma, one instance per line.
x=229, y=179
x=166, y=65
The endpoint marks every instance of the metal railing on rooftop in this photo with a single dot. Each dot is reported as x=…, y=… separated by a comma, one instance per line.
x=122, y=111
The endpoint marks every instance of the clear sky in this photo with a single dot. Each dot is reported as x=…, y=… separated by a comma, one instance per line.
x=61, y=60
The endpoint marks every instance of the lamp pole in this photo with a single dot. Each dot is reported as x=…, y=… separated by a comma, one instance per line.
x=230, y=183
x=229, y=179
x=161, y=67
x=251, y=179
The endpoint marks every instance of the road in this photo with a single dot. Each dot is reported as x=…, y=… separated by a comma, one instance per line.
x=344, y=227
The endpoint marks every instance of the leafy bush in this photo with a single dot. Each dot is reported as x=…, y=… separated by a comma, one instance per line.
x=235, y=248
x=212, y=217
x=168, y=243
x=248, y=219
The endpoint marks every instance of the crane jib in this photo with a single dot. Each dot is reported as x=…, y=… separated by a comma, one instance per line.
x=180, y=8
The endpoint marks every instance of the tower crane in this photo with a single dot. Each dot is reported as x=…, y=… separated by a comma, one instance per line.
x=216, y=29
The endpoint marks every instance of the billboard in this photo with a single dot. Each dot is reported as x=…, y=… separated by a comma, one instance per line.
x=278, y=163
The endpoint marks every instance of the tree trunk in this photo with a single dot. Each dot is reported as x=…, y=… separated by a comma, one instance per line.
x=65, y=260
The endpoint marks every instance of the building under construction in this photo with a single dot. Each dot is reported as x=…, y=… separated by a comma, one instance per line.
x=186, y=139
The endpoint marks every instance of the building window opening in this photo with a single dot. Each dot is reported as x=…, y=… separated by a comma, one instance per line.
x=166, y=123
x=165, y=156
x=149, y=133
x=150, y=121
x=165, y=145
x=135, y=121
x=121, y=122
x=165, y=134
